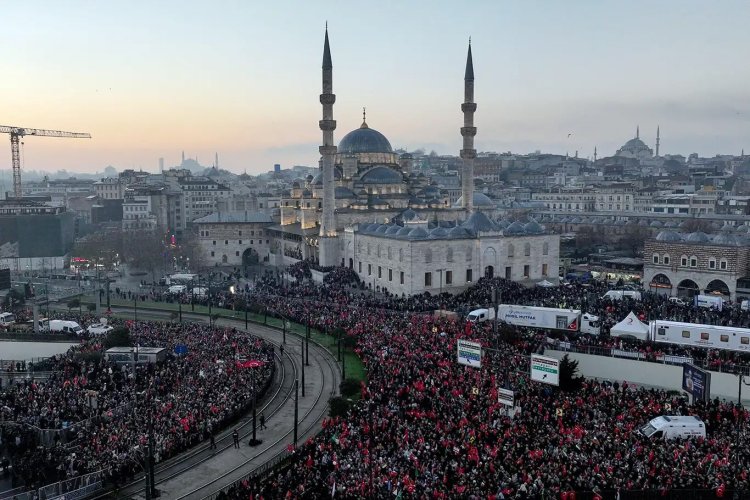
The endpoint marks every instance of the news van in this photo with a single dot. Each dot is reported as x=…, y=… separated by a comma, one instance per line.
x=480, y=315
x=674, y=427
x=550, y=318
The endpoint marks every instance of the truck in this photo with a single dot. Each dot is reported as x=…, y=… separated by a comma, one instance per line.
x=63, y=326
x=550, y=318
x=696, y=335
x=674, y=427
x=481, y=315
x=7, y=319
x=709, y=301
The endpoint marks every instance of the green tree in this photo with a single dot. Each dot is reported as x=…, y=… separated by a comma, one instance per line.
x=145, y=250
x=349, y=387
x=119, y=337
x=74, y=303
x=570, y=381
x=338, y=407
x=91, y=307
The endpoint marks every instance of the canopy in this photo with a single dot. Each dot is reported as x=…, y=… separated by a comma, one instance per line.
x=545, y=284
x=631, y=326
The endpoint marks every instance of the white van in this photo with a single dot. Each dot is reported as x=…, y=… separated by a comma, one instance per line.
x=480, y=315
x=62, y=326
x=7, y=319
x=177, y=289
x=621, y=294
x=674, y=427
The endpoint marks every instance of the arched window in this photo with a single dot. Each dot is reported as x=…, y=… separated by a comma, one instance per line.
x=511, y=250
x=427, y=256
x=684, y=261
x=449, y=255
x=693, y=261
x=400, y=254
x=545, y=248
x=666, y=260
x=712, y=263
x=655, y=258
x=527, y=249
x=469, y=254
x=723, y=264
x=378, y=250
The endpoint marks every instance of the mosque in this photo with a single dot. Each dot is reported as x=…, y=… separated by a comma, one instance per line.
x=368, y=210
x=636, y=148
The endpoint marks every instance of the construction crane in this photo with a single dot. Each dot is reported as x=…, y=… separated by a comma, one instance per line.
x=15, y=136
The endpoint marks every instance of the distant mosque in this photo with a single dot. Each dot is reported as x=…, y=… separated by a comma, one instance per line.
x=636, y=148
x=365, y=191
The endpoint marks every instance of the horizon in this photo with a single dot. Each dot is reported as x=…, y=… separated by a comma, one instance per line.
x=150, y=81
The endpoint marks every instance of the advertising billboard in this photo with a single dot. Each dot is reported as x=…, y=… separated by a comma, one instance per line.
x=469, y=353
x=696, y=382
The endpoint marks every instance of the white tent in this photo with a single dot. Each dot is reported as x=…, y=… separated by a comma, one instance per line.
x=545, y=284
x=631, y=327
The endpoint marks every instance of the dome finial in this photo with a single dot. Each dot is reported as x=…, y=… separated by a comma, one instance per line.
x=364, y=118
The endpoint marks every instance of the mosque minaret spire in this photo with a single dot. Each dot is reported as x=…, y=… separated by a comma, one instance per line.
x=468, y=131
x=328, y=243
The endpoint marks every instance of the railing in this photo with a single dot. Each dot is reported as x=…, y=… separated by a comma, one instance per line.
x=278, y=461
x=667, y=359
x=14, y=493
x=70, y=489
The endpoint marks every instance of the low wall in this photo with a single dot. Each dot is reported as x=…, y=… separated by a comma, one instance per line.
x=317, y=276
x=669, y=377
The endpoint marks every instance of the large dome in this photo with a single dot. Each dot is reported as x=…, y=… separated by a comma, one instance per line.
x=481, y=200
x=364, y=140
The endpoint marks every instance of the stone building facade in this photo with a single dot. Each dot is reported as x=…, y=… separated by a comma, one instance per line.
x=234, y=238
x=687, y=264
x=416, y=257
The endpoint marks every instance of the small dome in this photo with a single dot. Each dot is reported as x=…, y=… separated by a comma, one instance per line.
x=620, y=222
x=364, y=140
x=458, y=232
x=403, y=231
x=643, y=223
x=382, y=175
x=438, y=232
x=655, y=223
x=724, y=239
x=515, y=229
x=408, y=214
x=406, y=156
x=295, y=185
x=309, y=178
x=378, y=202
x=668, y=236
x=502, y=223
x=481, y=200
x=670, y=224
x=344, y=193
x=533, y=227
x=727, y=228
x=697, y=237
x=393, y=229
x=684, y=224
x=418, y=232
x=480, y=222
x=381, y=229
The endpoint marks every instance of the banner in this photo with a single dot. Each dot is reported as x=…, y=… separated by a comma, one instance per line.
x=696, y=382
x=469, y=353
x=545, y=370
x=505, y=397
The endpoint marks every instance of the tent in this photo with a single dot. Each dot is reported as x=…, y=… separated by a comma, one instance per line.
x=545, y=284
x=630, y=327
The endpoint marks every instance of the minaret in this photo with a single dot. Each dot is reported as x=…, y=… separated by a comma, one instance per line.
x=468, y=131
x=594, y=153
x=216, y=160
x=657, y=141
x=328, y=243
x=637, y=131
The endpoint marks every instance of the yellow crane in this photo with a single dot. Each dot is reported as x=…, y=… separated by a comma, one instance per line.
x=15, y=136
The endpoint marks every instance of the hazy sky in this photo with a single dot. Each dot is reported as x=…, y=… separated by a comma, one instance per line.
x=149, y=79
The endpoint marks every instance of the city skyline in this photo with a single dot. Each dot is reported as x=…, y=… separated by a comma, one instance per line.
x=150, y=81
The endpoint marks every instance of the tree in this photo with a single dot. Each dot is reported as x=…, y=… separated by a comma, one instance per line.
x=102, y=249
x=13, y=299
x=145, y=250
x=338, y=407
x=190, y=252
x=569, y=380
x=349, y=387
x=119, y=337
x=634, y=238
x=91, y=307
x=74, y=303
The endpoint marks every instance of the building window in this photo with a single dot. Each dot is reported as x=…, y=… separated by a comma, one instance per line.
x=683, y=261
x=527, y=249
x=665, y=259
x=402, y=277
x=380, y=272
x=449, y=255
x=360, y=267
x=240, y=233
x=526, y=271
x=712, y=263
x=401, y=256
x=544, y=270
x=427, y=279
x=226, y=242
x=469, y=277
x=237, y=253
x=239, y=241
x=368, y=249
x=427, y=256
x=448, y=277
x=723, y=264
x=214, y=242
x=369, y=269
x=656, y=258
x=378, y=250
x=511, y=250
x=693, y=261
x=390, y=274
x=545, y=248
x=212, y=253
x=390, y=253
x=508, y=272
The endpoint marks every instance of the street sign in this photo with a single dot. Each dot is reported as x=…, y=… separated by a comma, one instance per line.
x=180, y=349
x=469, y=353
x=506, y=397
x=545, y=370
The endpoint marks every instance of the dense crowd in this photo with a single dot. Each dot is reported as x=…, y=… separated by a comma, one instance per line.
x=426, y=427
x=105, y=410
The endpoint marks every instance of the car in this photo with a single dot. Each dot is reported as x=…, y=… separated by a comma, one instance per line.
x=99, y=329
x=677, y=300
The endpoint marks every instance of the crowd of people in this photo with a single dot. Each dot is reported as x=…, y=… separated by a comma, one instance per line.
x=427, y=427
x=101, y=413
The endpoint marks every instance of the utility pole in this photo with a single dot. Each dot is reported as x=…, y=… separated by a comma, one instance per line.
x=307, y=345
x=296, y=409
x=302, y=345
x=283, y=325
x=179, y=306
x=343, y=365
x=245, y=314
x=135, y=307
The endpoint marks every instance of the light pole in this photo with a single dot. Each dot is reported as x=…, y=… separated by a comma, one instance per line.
x=296, y=409
x=302, y=346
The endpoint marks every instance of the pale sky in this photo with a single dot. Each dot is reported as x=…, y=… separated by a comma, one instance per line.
x=149, y=79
